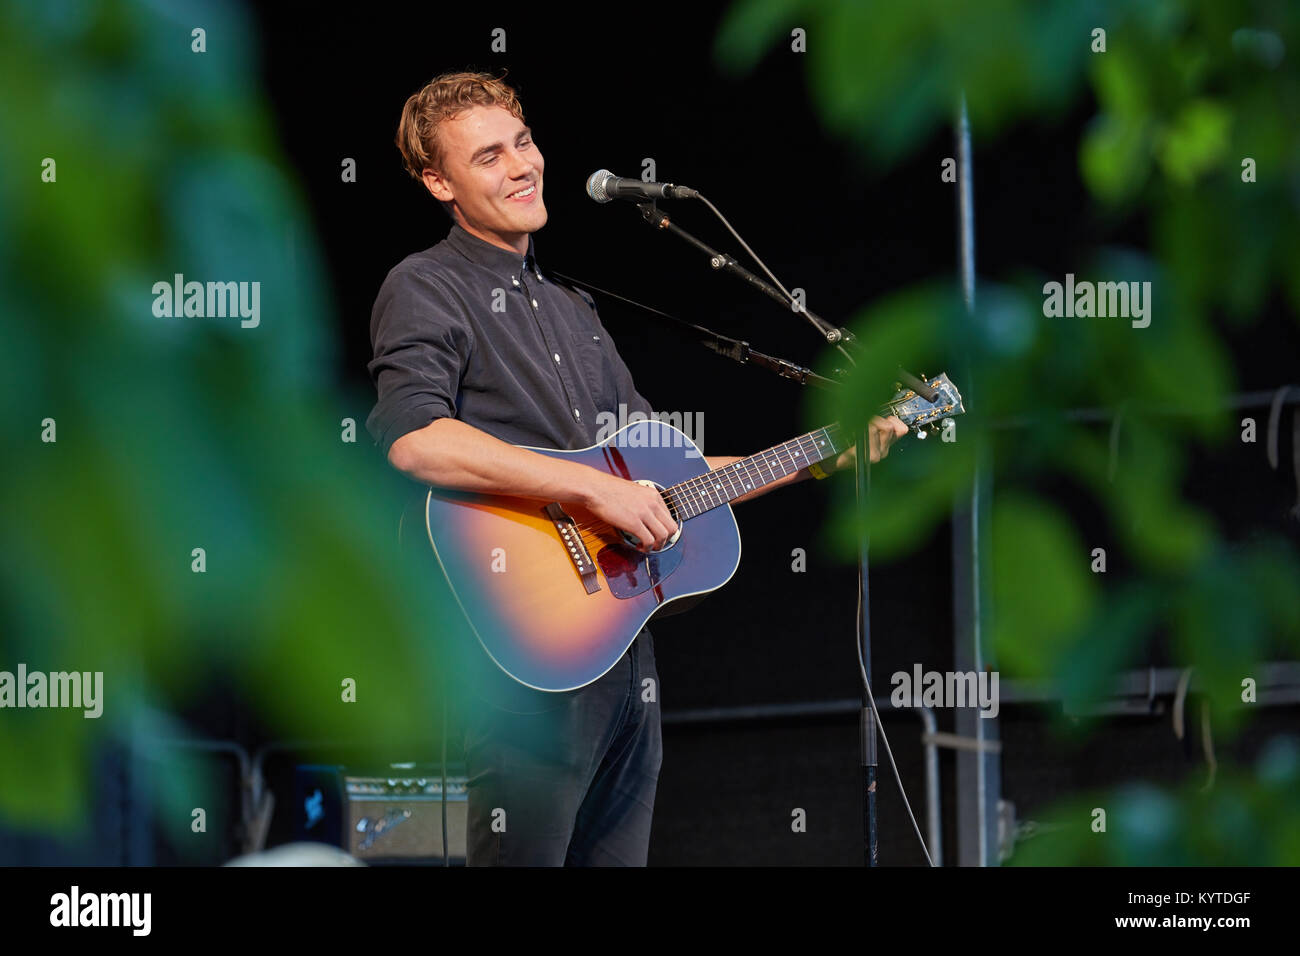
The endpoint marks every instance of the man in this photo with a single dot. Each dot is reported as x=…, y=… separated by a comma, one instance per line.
x=477, y=351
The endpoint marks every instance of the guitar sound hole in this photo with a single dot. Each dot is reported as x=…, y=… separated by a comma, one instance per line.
x=632, y=540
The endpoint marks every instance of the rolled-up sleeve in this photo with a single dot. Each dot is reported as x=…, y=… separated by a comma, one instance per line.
x=421, y=342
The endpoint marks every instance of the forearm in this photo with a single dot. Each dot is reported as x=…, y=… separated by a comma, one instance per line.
x=718, y=462
x=451, y=454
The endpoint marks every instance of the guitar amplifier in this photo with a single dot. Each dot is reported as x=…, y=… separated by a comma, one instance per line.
x=392, y=815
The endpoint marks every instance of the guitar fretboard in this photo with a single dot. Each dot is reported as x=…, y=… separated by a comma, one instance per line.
x=704, y=492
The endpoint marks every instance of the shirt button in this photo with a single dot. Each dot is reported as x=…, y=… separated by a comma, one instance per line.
x=577, y=414
x=534, y=303
x=557, y=356
x=514, y=280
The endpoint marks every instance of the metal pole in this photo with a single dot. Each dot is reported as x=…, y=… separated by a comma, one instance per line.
x=867, y=722
x=979, y=782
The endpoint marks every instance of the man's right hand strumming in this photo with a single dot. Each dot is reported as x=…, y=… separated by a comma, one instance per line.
x=638, y=510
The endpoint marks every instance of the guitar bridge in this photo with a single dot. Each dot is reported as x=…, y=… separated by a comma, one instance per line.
x=573, y=543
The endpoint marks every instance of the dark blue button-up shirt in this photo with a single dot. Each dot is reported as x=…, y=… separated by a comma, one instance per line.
x=471, y=331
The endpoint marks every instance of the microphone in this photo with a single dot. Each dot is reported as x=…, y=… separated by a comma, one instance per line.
x=602, y=186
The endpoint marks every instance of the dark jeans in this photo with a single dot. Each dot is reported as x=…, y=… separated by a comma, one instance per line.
x=567, y=779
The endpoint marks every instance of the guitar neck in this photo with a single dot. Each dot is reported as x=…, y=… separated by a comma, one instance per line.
x=705, y=492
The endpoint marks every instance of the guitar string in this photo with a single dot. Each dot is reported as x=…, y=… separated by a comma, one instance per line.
x=694, y=491
x=697, y=492
x=592, y=533
x=697, y=488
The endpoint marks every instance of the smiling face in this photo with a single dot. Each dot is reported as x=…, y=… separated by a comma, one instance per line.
x=492, y=175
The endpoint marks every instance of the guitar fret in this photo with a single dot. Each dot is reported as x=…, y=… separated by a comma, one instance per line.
x=692, y=501
x=719, y=488
x=710, y=489
x=706, y=495
x=739, y=476
x=726, y=475
x=747, y=474
x=701, y=497
x=706, y=492
x=785, y=447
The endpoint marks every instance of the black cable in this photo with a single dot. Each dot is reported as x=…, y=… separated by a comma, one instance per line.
x=880, y=726
x=871, y=700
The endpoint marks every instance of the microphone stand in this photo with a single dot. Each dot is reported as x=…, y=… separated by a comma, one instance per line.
x=838, y=337
x=720, y=261
x=723, y=262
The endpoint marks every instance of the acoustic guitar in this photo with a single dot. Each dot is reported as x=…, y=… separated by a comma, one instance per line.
x=556, y=596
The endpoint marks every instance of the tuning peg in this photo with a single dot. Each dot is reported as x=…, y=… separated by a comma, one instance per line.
x=922, y=434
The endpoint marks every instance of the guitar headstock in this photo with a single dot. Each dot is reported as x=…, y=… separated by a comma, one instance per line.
x=924, y=417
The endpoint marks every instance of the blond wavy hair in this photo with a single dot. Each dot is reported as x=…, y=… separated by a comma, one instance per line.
x=442, y=98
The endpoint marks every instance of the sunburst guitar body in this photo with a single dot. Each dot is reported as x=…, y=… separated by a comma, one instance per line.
x=553, y=594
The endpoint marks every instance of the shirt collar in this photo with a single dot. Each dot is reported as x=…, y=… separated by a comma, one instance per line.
x=504, y=261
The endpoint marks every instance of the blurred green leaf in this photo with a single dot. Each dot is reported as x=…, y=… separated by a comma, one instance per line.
x=1192, y=142
x=1042, y=586
x=1195, y=142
